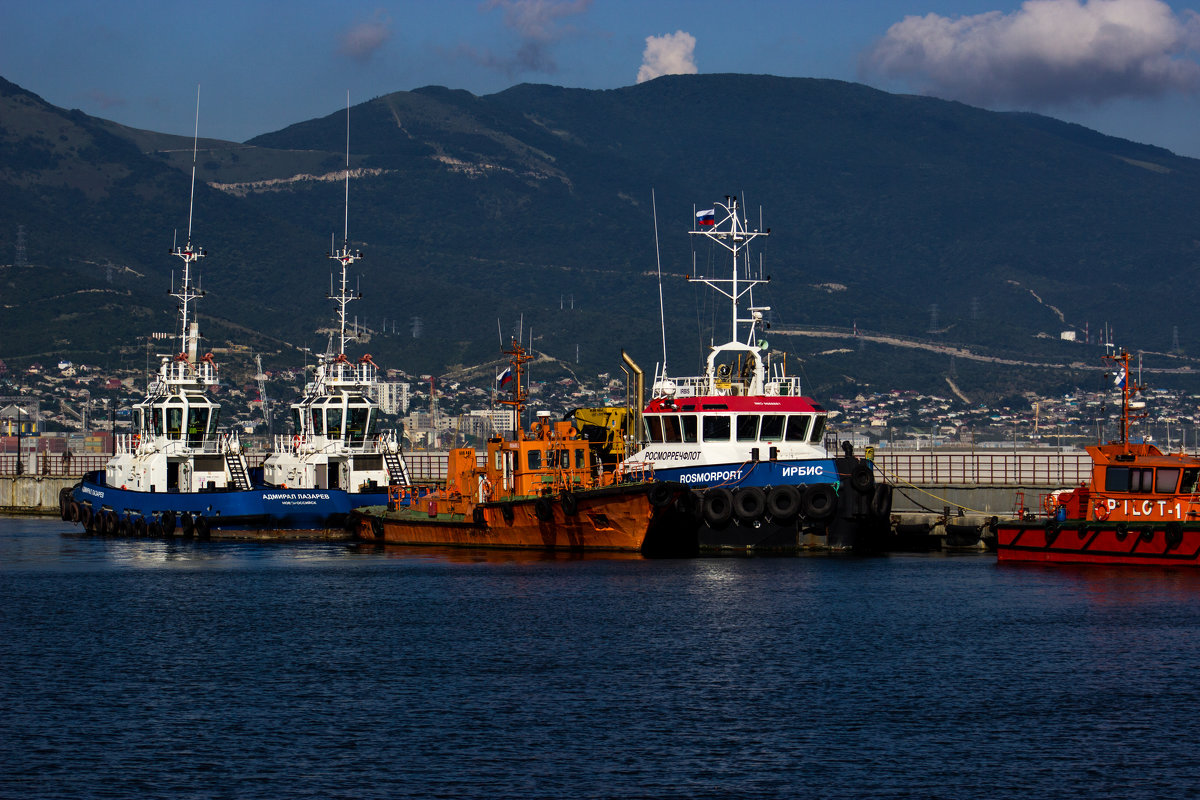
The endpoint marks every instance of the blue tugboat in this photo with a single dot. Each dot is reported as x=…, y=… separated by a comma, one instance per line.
x=747, y=441
x=175, y=473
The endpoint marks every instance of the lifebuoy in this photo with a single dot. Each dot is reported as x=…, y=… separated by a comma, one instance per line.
x=296, y=442
x=783, y=503
x=1101, y=511
x=718, y=507
x=135, y=441
x=486, y=487
x=819, y=502
x=749, y=503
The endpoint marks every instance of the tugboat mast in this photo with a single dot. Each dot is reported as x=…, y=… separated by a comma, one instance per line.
x=345, y=256
x=735, y=238
x=188, y=344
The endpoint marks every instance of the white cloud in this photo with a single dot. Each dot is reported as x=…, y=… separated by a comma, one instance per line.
x=362, y=40
x=1048, y=52
x=669, y=54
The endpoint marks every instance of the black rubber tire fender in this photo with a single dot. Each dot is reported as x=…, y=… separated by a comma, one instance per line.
x=570, y=503
x=862, y=478
x=783, y=503
x=819, y=502
x=660, y=494
x=718, y=507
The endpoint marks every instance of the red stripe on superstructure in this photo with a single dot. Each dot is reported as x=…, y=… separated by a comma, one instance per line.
x=763, y=405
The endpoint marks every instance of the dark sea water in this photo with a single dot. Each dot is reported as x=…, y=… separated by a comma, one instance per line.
x=142, y=669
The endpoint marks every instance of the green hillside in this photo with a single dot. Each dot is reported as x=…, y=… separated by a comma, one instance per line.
x=896, y=214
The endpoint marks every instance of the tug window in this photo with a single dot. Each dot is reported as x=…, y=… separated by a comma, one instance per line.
x=671, y=430
x=1166, y=480
x=1189, y=480
x=535, y=459
x=174, y=422
x=1116, y=479
x=797, y=427
x=818, y=431
x=1141, y=480
x=579, y=458
x=654, y=429
x=334, y=416
x=747, y=427
x=716, y=429
x=689, y=427
x=772, y=427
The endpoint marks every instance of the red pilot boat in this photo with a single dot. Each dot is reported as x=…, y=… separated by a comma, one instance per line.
x=1140, y=507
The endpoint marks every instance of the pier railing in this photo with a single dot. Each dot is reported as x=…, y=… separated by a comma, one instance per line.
x=923, y=468
x=940, y=468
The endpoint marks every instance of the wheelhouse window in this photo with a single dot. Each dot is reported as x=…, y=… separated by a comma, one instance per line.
x=818, y=430
x=747, y=427
x=175, y=422
x=579, y=462
x=688, y=422
x=333, y=417
x=156, y=421
x=1166, y=480
x=1116, y=479
x=670, y=429
x=772, y=427
x=716, y=428
x=356, y=424
x=654, y=429
x=1141, y=480
x=1188, y=486
x=197, y=424
x=535, y=459
x=797, y=427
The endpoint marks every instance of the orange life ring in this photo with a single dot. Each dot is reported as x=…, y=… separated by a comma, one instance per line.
x=1101, y=510
x=296, y=442
x=135, y=441
x=1050, y=504
x=487, y=489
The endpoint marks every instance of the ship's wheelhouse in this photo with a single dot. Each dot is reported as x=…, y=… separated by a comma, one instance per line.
x=717, y=422
x=351, y=418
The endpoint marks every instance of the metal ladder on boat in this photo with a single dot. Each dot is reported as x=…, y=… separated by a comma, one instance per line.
x=236, y=464
x=397, y=469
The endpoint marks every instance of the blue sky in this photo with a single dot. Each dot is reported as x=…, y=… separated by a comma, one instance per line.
x=1126, y=67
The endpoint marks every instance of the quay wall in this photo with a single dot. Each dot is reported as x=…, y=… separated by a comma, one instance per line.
x=32, y=494
x=982, y=482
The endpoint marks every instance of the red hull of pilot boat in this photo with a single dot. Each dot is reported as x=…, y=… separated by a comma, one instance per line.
x=1083, y=542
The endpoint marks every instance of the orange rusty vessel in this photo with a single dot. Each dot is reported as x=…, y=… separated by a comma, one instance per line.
x=1140, y=507
x=542, y=489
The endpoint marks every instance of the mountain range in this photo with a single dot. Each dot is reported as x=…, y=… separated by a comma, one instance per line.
x=538, y=207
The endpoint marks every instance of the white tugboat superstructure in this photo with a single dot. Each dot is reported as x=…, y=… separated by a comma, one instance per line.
x=745, y=438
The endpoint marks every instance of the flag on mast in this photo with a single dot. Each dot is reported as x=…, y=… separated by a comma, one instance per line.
x=706, y=217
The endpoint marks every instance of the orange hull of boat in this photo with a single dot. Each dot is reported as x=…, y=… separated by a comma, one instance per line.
x=604, y=519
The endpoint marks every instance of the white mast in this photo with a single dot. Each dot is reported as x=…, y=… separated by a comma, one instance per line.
x=735, y=238
x=345, y=256
x=187, y=291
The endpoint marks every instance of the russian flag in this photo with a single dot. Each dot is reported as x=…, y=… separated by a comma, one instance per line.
x=504, y=378
x=708, y=217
